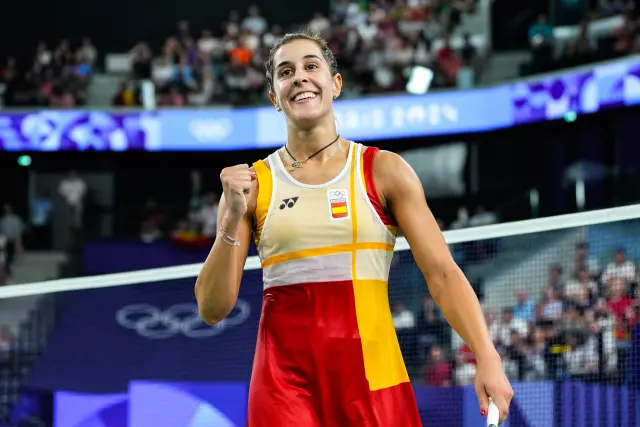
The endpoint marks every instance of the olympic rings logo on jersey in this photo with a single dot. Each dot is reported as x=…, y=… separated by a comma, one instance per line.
x=337, y=193
x=180, y=319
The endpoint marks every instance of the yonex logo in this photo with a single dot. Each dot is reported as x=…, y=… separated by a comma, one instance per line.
x=288, y=203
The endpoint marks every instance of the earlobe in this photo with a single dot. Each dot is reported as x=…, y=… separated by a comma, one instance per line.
x=274, y=100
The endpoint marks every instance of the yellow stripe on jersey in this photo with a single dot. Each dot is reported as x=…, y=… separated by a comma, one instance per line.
x=265, y=188
x=325, y=250
x=383, y=363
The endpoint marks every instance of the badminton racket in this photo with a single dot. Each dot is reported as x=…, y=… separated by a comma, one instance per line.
x=493, y=415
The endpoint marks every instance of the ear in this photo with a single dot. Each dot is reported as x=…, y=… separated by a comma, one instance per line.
x=274, y=101
x=337, y=85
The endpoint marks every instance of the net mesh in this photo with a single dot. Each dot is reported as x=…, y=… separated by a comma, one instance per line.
x=562, y=308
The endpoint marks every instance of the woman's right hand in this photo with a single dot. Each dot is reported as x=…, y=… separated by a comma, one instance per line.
x=236, y=185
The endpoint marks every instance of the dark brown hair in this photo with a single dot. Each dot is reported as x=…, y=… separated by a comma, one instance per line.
x=303, y=35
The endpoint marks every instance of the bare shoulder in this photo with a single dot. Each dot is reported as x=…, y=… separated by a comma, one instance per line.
x=393, y=174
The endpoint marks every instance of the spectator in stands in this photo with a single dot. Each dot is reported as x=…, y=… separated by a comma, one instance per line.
x=12, y=228
x=87, y=53
x=625, y=35
x=437, y=372
x=555, y=278
x=541, y=41
x=153, y=221
x=255, y=22
x=462, y=220
x=552, y=305
x=582, y=359
x=43, y=55
x=541, y=32
x=482, y=217
x=580, y=288
x=468, y=51
x=509, y=365
x=603, y=338
x=141, y=57
x=465, y=371
x=619, y=300
x=536, y=356
x=449, y=62
x=582, y=259
x=573, y=323
x=432, y=329
x=620, y=267
x=525, y=308
x=517, y=351
x=127, y=95
x=208, y=215
x=404, y=321
x=501, y=332
x=403, y=318
x=73, y=190
x=321, y=25
x=6, y=345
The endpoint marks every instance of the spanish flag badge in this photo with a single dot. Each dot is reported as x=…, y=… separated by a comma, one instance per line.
x=338, y=204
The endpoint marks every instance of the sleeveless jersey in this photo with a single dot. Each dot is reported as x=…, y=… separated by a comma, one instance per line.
x=326, y=251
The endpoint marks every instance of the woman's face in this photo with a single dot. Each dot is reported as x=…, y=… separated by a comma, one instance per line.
x=302, y=83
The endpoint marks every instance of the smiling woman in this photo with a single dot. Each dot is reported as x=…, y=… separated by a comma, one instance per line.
x=324, y=213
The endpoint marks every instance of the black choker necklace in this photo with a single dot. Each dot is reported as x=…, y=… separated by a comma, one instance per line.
x=298, y=164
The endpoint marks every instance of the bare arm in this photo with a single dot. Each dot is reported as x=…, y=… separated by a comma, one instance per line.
x=403, y=194
x=218, y=283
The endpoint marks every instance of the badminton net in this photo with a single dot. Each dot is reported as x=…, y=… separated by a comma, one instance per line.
x=560, y=298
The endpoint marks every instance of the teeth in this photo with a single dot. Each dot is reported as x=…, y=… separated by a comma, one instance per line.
x=304, y=95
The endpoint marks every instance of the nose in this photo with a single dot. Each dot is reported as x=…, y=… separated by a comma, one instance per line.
x=299, y=79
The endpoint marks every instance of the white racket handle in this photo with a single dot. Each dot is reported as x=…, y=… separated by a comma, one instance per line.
x=493, y=415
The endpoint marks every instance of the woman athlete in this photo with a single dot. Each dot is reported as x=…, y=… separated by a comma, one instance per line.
x=323, y=212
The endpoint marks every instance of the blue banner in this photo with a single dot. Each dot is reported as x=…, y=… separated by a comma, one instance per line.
x=106, y=338
x=159, y=404
x=599, y=87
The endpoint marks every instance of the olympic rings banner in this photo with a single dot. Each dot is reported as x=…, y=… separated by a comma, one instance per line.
x=588, y=90
x=106, y=338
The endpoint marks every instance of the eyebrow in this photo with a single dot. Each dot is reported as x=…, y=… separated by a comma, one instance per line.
x=304, y=57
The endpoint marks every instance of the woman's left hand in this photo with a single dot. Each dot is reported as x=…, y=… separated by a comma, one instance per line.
x=491, y=382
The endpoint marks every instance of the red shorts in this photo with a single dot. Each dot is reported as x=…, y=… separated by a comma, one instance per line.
x=308, y=369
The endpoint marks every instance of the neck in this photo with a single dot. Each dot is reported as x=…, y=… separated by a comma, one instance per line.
x=305, y=142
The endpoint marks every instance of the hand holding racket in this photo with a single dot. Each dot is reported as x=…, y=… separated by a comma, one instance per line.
x=493, y=415
x=493, y=389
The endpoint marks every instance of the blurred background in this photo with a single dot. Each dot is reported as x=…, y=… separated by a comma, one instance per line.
x=117, y=117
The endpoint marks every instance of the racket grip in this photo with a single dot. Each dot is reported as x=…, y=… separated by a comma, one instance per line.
x=493, y=415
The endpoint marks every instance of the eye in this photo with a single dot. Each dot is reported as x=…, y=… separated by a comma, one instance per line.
x=286, y=72
x=312, y=66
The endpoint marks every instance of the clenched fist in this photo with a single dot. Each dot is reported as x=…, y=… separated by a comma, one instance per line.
x=236, y=185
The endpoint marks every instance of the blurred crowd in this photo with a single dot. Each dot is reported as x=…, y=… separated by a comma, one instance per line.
x=377, y=43
x=587, y=45
x=49, y=77
x=11, y=230
x=192, y=225
x=581, y=327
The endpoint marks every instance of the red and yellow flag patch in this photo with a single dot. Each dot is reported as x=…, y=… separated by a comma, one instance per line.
x=338, y=204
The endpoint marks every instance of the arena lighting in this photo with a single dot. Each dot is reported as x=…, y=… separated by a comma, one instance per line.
x=419, y=80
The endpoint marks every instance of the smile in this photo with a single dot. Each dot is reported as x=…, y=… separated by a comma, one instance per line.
x=304, y=96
